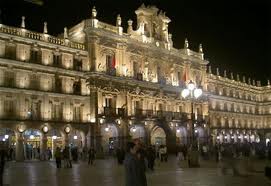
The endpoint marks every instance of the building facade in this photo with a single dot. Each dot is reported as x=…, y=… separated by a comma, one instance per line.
x=97, y=85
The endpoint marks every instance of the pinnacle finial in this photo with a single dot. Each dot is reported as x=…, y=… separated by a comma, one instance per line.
x=244, y=79
x=130, y=26
x=45, y=30
x=217, y=71
x=225, y=73
x=237, y=77
x=118, y=22
x=94, y=12
x=268, y=82
x=210, y=69
x=23, y=22
x=186, y=44
x=200, y=48
x=65, y=33
x=253, y=82
x=232, y=76
x=249, y=81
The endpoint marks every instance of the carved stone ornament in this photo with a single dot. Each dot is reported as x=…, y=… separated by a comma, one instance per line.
x=137, y=90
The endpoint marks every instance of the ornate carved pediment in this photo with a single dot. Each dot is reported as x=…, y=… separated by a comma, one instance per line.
x=107, y=51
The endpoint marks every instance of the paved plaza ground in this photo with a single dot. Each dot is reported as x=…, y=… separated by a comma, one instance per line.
x=108, y=173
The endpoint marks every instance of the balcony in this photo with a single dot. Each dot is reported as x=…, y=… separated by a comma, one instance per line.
x=141, y=114
x=114, y=112
x=111, y=71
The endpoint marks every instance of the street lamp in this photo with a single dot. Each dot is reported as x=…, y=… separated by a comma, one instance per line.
x=192, y=92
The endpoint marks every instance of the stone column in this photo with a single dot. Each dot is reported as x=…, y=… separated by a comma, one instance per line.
x=43, y=146
x=19, y=147
x=124, y=134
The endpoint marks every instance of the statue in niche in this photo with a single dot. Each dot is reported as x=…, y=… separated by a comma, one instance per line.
x=156, y=30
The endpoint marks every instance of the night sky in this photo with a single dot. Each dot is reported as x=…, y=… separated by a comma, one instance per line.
x=236, y=35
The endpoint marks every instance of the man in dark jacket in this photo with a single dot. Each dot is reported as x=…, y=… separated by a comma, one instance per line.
x=2, y=164
x=134, y=174
x=91, y=156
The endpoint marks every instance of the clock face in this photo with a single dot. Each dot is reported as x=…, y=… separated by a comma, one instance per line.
x=67, y=129
x=45, y=129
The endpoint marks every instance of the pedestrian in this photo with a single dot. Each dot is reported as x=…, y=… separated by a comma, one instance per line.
x=91, y=156
x=67, y=157
x=134, y=174
x=2, y=165
x=58, y=157
x=151, y=158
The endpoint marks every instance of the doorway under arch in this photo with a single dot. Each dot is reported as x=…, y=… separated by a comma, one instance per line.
x=158, y=136
x=138, y=132
x=110, y=136
x=32, y=139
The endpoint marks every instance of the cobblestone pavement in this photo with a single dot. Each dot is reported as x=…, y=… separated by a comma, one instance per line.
x=109, y=173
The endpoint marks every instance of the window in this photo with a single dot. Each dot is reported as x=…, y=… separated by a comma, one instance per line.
x=77, y=64
x=9, y=78
x=10, y=51
x=57, y=111
x=77, y=87
x=180, y=108
x=35, y=56
x=77, y=114
x=58, y=84
x=108, y=102
x=36, y=110
x=110, y=65
x=8, y=108
x=57, y=60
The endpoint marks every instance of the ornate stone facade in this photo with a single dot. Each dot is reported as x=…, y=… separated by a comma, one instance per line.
x=98, y=85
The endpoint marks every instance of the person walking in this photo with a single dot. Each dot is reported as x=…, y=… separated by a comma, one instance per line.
x=67, y=157
x=58, y=157
x=151, y=158
x=134, y=173
x=2, y=165
x=91, y=156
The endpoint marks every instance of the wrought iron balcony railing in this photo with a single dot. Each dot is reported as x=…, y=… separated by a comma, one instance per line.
x=114, y=112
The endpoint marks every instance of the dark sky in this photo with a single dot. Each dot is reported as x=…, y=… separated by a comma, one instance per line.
x=236, y=35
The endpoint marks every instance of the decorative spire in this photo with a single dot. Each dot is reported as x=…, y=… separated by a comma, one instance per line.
x=93, y=13
x=253, y=82
x=244, y=79
x=210, y=69
x=237, y=77
x=217, y=71
x=232, y=76
x=225, y=73
x=65, y=33
x=45, y=30
x=130, y=26
x=259, y=83
x=268, y=82
x=249, y=81
x=118, y=22
x=200, y=48
x=186, y=44
x=23, y=22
